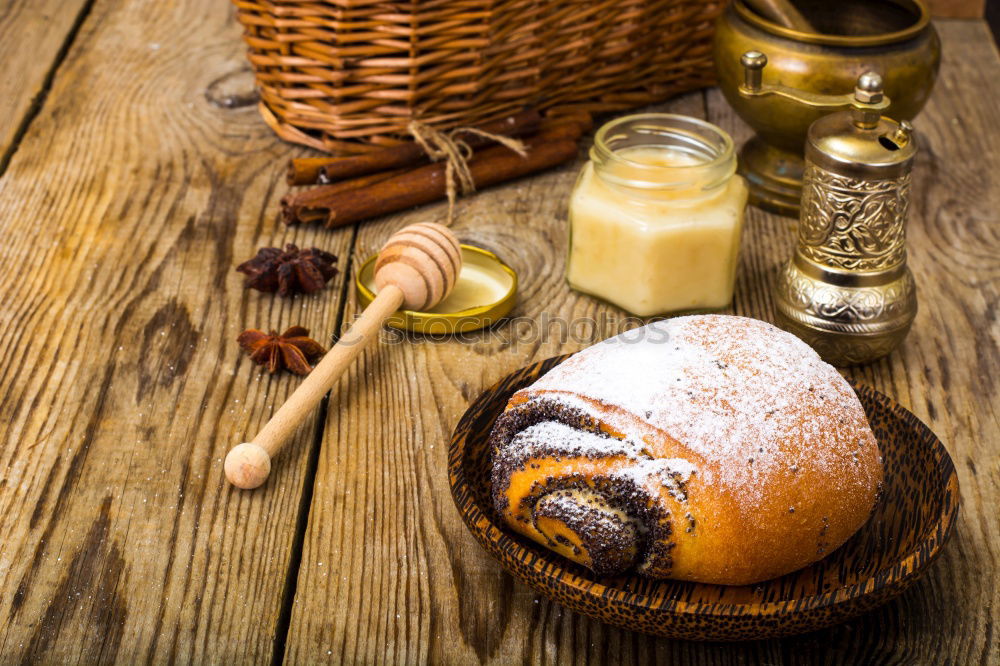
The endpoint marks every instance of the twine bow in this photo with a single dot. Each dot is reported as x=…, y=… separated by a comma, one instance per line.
x=446, y=146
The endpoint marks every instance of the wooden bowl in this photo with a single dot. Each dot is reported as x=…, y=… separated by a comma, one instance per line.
x=911, y=523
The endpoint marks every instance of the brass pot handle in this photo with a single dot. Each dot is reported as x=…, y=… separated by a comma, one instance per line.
x=868, y=98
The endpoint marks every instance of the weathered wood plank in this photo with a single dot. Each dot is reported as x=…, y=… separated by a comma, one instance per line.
x=32, y=34
x=964, y=9
x=398, y=579
x=128, y=203
x=124, y=211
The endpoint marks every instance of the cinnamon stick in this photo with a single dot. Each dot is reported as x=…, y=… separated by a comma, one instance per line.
x=425, y=184
x=311, y=170
x=306, y=170
x=309, y=205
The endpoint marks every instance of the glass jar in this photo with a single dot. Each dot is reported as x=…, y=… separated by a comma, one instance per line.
x=656, y=215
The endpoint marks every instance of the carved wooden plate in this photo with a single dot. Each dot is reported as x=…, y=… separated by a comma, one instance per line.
x=910, y=524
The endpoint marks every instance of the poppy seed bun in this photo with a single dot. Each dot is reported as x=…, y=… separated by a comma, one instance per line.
x=709, y=448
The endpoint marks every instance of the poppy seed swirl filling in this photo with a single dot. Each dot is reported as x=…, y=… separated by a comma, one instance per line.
x=609, y=522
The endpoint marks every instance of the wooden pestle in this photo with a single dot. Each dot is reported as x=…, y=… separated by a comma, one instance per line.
x=416, y=268
x=782, y=12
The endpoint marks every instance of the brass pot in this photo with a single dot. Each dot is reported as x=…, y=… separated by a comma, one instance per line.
x=894, y=38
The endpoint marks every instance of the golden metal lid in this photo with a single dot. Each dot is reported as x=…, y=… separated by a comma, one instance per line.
x=485, y=292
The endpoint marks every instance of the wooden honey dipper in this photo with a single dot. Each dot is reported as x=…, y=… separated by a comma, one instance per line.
x=416, y=268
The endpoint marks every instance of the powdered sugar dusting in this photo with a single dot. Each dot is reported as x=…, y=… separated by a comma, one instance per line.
x=567, y=505
x=570, y=441
x=573, y=442
x=738, y=393
x=668, y=471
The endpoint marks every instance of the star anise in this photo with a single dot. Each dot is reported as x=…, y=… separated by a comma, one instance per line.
x=289, y=271
x=292, y=350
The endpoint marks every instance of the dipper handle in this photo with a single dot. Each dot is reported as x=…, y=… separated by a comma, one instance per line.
x=417, y=268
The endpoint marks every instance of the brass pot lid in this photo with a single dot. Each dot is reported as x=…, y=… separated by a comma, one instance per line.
x=485, y=293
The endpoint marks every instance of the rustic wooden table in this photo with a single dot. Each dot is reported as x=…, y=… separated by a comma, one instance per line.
x=133, y=184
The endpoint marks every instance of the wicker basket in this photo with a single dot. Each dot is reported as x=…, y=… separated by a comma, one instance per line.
x=340, y=75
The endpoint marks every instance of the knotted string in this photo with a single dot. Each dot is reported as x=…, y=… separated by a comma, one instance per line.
x=456, y=153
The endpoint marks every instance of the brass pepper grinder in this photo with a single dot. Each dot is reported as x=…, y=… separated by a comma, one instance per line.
x=847, y=291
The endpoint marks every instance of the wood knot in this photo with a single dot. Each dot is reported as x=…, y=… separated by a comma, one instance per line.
x=423, y=260
x=233, y=90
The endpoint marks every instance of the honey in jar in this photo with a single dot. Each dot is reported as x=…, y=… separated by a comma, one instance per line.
x=656, y=215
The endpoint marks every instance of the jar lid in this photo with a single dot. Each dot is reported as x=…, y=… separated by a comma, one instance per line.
x=484, y=293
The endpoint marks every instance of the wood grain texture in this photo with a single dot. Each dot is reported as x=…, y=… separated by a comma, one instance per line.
x=387, y=558
x=32, y=34
x=965, y=9
x=148, y=175
x=131, y=199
